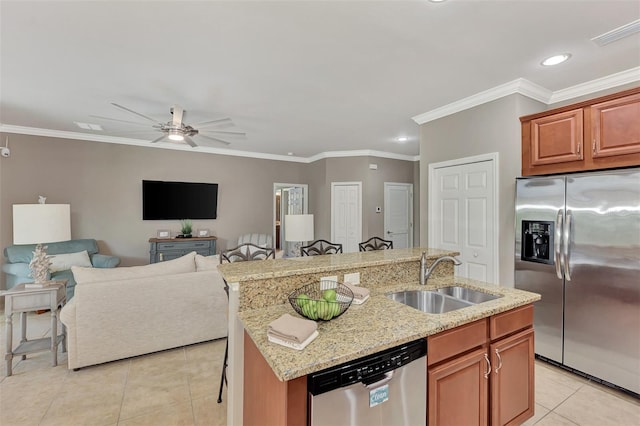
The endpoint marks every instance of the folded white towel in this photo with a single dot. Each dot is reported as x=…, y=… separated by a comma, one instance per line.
x=291, y=328
x=289, y=343
x=358, y=292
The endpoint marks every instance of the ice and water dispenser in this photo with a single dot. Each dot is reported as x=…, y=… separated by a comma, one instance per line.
x=537, y=241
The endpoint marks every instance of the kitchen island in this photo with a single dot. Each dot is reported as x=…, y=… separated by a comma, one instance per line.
x=258, y=293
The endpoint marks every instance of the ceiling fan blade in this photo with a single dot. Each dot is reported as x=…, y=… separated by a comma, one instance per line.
x=134, y=112
x=121, y=121
x=214, y=139
x=227, y=132
x=177, y=112
x=190, y=141
x=159, y=139
x=204, y=123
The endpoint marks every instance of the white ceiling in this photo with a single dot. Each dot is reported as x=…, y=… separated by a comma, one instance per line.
x=306, y=77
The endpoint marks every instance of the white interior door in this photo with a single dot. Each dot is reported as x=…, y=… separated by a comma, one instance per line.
x=463, y=214
x=398, y=214
x=346, y=215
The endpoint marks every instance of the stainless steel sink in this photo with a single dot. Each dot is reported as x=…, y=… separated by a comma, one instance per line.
x=467, y=294
x=427, y=301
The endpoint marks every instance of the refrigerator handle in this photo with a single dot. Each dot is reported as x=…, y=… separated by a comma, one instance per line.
x=567, y=245
x=557, y=244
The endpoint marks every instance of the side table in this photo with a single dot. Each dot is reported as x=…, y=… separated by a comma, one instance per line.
x=22, y=300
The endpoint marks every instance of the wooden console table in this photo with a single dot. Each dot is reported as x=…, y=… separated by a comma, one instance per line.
x=172, y=248
x=22, y=300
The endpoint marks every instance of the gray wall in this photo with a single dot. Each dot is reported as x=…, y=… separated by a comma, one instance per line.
x=349, y=169
x=491, y=127
x=102, y=182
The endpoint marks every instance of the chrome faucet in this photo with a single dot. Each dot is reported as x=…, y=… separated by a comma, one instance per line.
x=425, y=272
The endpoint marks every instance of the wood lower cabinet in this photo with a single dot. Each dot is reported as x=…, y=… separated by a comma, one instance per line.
x=483, y=382
x=601, y=133
x=267, y=400
x=513, y=370
x=481, y=373
x=458, y=390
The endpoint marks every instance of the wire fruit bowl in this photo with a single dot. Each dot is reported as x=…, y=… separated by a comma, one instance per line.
x=321, y=301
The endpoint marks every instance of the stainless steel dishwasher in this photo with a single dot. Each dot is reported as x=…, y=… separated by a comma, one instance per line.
x=387, y=388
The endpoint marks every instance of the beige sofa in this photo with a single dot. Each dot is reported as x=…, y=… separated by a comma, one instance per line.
x=123, y=312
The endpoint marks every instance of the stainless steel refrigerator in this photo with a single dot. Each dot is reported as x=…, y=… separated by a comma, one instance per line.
x=578, y=245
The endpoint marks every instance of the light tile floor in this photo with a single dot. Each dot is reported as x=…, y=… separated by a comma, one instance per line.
x=180, y=387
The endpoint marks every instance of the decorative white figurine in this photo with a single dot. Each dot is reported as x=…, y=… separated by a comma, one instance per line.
x=42, y=199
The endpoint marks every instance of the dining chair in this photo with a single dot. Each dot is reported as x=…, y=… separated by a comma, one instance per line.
x=319, y=247
x=243, y=253
x=375, y=243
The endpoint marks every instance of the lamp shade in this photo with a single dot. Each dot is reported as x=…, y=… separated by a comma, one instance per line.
x=41, y=223
x=298, y=227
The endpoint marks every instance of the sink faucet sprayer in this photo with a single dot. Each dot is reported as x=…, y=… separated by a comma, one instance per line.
x=426, y=272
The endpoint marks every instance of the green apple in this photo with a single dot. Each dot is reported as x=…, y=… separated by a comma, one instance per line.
x=330, y=295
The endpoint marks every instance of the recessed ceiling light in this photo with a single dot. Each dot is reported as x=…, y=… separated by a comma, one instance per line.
x=556, y=59
x=402, y=139
x=437, y=1
x=289, y=153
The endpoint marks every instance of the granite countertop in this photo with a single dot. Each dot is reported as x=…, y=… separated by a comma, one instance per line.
x=378, y=324
x=275, y=268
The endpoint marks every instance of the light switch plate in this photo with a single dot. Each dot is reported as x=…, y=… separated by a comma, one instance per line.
x=333, y=278
x=353, y=278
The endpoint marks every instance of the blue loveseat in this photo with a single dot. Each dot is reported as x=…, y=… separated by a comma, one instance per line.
x=18, y=258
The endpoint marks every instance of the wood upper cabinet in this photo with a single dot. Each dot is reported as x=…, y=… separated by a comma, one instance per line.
x=615, y=127
x=598, y=134
x=557, y=138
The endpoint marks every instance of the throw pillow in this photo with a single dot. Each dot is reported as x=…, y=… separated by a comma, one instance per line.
x=176, y=266
x=63, y=262
x=207, y=263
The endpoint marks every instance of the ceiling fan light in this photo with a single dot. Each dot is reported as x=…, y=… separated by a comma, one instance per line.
x=174, y=135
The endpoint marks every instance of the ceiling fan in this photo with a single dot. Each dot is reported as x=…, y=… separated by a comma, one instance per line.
x=176, y=130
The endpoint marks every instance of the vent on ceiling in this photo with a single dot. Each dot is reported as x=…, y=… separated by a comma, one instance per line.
x=617, y=34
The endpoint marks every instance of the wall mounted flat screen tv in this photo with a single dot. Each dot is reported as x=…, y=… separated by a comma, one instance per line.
x=179, y=200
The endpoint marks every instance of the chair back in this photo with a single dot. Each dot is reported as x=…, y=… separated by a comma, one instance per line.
x=319, y=247
x=375, y=243
x=262, y=240
x=246, y=252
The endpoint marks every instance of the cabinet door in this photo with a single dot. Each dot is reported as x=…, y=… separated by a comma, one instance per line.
x=615, y=127
x=512, y=379
x=458, y=391
x=557, y=138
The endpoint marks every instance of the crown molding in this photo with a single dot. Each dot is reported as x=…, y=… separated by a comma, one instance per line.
x=34, y=131
x=519, y=85
x=363, y=153
x=618, y=79
x=531, y=90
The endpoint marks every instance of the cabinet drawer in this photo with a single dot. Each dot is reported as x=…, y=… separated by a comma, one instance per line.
x=453, y=342
x=184, y=246
x=511, y=321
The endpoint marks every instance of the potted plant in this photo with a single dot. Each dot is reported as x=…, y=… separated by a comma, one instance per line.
x=187, y=228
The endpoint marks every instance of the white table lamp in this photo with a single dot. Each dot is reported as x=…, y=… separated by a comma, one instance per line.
x=39, y=224
x=298, y=228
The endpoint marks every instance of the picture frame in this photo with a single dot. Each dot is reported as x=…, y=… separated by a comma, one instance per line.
x=164, y=233
x=202, y=233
